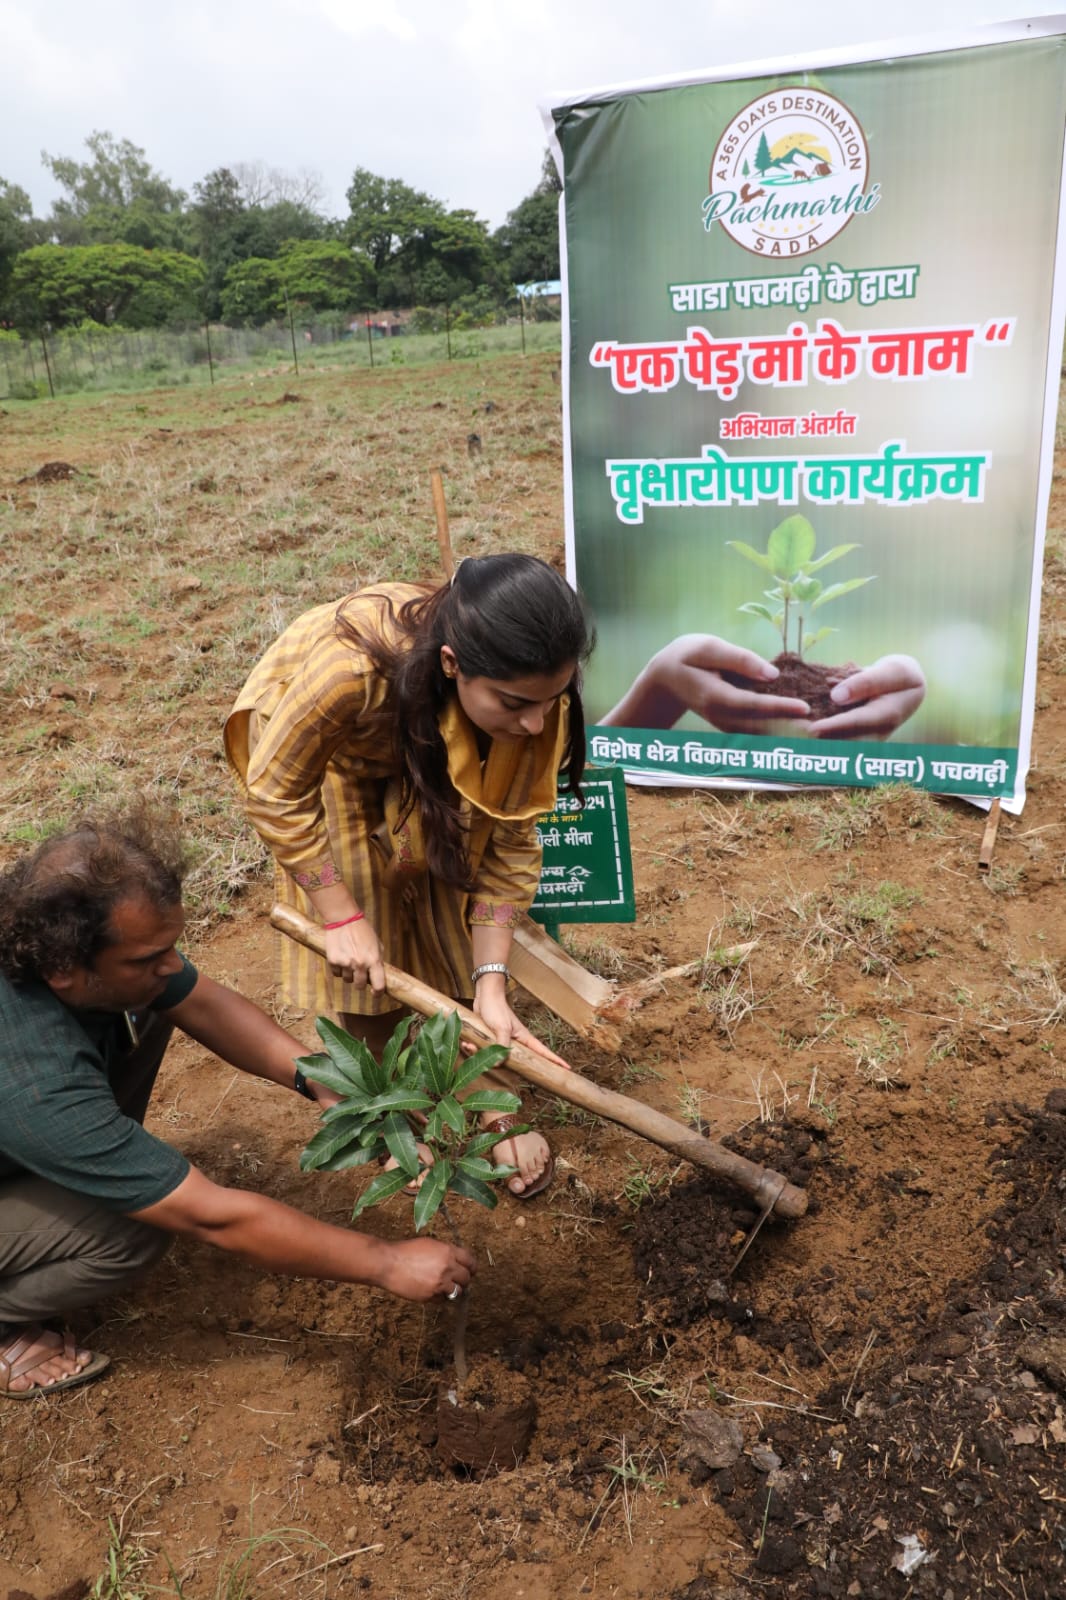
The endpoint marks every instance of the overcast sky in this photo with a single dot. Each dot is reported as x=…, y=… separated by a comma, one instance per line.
x=441, y=93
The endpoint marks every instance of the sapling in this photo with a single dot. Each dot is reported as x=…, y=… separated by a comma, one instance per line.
x=789, y=557
x=419, y=1081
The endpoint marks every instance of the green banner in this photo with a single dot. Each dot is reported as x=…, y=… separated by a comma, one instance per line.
x=815, y=320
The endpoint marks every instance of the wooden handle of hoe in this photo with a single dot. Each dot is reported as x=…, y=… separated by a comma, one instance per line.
x=769, y=1188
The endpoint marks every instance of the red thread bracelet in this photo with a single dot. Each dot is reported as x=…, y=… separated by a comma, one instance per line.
x=359, y=916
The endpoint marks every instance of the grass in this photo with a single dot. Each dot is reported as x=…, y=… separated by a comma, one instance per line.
x=199, y=523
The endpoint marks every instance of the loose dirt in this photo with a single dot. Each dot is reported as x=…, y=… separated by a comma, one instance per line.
x=871, y=1404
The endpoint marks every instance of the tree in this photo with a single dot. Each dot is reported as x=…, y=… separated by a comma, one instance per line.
x=18, y=231
x=316, y=274
x=763, y=158
x=62, y=285
x=116, y=197
x=528, y=242
x=261, y=185
x=385, y=214
x=228, y=230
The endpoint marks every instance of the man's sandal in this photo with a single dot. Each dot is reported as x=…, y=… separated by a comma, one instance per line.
x=504, y=1124
x=14, y=1362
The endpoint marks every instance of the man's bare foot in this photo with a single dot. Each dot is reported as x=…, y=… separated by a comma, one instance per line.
x=36, y=1360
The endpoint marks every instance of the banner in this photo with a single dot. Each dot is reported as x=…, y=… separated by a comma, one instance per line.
x=814, y=325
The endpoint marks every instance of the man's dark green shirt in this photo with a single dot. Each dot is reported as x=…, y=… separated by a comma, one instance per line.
x=58, y=1115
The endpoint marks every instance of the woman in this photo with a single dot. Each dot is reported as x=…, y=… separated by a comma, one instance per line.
x=395, y=750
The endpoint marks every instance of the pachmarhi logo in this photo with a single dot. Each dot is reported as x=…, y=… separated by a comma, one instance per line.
x=789, y=173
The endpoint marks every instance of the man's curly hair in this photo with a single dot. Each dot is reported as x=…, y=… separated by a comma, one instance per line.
x=56, y=903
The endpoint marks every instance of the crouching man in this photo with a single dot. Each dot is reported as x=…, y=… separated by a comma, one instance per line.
x=91, y=988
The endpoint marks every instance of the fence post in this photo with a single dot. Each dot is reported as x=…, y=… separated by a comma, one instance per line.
x=448, y=327
x=292, y=331
x=369, y=339
x=210, y=357
x=521, y=319
x=48, y=365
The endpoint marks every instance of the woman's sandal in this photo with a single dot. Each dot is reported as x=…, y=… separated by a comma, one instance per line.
x=15, y=1361
x=504, y=1124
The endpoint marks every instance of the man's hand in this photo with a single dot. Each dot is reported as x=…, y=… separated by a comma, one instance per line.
x=422, y=1268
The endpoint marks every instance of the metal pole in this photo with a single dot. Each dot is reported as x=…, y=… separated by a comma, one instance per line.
x=292, y=332
x=48, y=366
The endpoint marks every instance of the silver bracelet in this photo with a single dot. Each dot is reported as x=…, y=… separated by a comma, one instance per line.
x=490, y=966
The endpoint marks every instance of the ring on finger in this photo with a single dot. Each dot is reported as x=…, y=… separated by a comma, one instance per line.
x=454, y=1292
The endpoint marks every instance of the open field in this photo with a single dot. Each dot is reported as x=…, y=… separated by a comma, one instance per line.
x=895, y=1362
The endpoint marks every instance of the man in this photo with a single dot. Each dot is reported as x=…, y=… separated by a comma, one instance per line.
x=91, y=987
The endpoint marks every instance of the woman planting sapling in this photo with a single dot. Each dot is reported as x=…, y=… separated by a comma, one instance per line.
x=395, y=749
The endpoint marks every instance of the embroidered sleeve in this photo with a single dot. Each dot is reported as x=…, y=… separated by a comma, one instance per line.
x=508, y=875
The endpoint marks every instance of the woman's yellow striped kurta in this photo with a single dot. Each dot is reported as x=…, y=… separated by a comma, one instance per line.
x=315, y=781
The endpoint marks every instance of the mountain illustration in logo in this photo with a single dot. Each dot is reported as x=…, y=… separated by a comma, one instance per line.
x=788, y=173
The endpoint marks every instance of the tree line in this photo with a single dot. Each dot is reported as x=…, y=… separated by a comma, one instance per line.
x=122, y=246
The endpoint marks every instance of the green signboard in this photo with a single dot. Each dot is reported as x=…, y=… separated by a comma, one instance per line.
x=587, y=872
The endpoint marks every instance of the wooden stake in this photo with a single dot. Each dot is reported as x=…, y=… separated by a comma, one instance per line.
x=988, y=838
x=444, y=538
x=769, y=1188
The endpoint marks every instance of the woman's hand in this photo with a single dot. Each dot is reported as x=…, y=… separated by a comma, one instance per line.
x=490, y=1004
x=687, y=675
x=883, y=696
x=354, y=954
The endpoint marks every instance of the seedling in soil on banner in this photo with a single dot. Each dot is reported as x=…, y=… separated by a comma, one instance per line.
x=789, y=557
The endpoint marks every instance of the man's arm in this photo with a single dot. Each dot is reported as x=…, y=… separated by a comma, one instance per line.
x=284, y=1240
x=230, y=1026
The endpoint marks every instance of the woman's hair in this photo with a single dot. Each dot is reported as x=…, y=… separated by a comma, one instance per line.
x=504, y=617
x=56, y=903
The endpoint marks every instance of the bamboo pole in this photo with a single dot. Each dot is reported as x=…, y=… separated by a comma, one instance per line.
x=440, y=511
x=772, y=1191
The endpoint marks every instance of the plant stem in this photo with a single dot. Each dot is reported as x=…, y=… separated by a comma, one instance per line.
x=462, y=1312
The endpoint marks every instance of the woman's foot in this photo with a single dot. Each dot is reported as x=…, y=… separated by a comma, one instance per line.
x=36, y=1360
x=425, y=1155
x=530, y=1152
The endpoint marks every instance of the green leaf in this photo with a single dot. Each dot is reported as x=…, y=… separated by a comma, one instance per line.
x=806, y=590
x=751, y=554
x=811, y=639
x=474, y=1066
x=322, y=1070
x=835, y=590
x=488, y=1141
x=384, y=1186
x=835, y=554
x=359, y=1157
x=436, y=1048
x=402, y=1145
x=473, y=1189
x=478, y=1167
x=324, y=1146
x=351, y=1056
x=790, y=547
x=752, y=608
x=353, y=1108
x=427, y=1200
x=499, y=1100
x=451, y=1114
x=394, y=1049
x=400, y=1099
